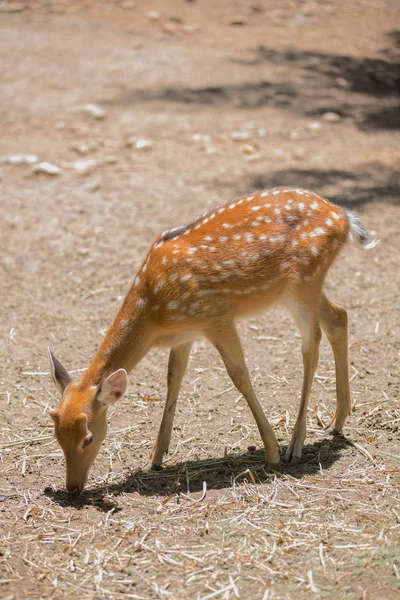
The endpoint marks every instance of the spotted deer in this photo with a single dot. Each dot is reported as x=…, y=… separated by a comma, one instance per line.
x=262, y=249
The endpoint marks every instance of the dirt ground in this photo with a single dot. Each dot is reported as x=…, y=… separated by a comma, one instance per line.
x=195, y=103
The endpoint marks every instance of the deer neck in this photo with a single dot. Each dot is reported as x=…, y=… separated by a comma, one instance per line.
x=125, y=343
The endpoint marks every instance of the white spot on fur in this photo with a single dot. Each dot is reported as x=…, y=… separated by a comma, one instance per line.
x=159, y=244
x=237, y=237
x=140, y=303
x=263, y=237
x=274, y=193
x=255, y=208
x=301, y=205
x=164, y=260
x=157, y=287
x=318, y=231
x=208, y=238
x=335, y=215
x=248, y=237
x=137, y=281
x=185, y=277
x=192, y=250
x=223, y=238
x=295, y=243
x=314, y=251
x=329, y=222
x=314, y=205
x=264, y=194
x=172, y=305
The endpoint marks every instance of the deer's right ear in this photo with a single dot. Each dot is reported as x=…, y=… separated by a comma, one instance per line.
x=60, y=375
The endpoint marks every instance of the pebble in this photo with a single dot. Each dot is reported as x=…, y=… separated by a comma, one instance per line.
x=143, y=144
x=239, y=136
x=84, y=165
x=22, y=159
x=46, y=167
x=314, y=125
x=92, y=186
x=93, y=110
x=331, y=117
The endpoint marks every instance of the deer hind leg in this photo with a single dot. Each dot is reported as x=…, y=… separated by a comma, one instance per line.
x=227, y=342
x=306, y=316
x=178, y=360
x=334, y=325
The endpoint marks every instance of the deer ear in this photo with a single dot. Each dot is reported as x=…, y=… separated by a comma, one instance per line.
x=60, y=375
x=113, y=388
x=55, y=416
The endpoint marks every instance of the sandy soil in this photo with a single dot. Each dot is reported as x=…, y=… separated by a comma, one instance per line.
x=201, y=102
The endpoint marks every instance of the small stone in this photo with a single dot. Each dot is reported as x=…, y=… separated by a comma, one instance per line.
x=314, y=125
x=239, y=136
x=46, y=167
x=22, y=159
x=248, y=149
x=153, y=15
x=85, y=165
x=80, y=147
x=92, y=186
x=93, y=110
x=190, y=28
x=331, y=117
x=111, y=159
x=238, y=21
x=170, y=28
x=143, y=144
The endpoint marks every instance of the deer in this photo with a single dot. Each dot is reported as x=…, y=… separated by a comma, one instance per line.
x=271, y=247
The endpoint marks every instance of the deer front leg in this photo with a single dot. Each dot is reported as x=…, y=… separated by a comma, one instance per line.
x=178, y=360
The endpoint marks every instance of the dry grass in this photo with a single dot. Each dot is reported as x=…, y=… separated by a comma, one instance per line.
x=217, y=528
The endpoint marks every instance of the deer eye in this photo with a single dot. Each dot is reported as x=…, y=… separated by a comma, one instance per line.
x=88, y=440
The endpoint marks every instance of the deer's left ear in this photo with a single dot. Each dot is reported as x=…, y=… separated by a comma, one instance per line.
x=60, y=375
x=113, y=388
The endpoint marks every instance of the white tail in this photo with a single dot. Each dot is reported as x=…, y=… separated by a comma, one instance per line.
x=268, y=247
